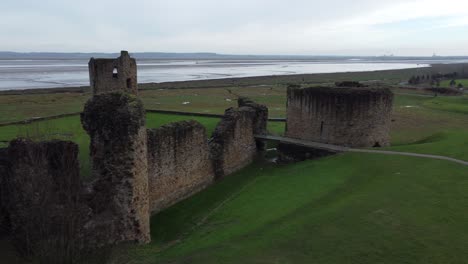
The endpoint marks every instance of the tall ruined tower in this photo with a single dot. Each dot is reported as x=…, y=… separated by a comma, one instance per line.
x=115, y=120
x=107, y=75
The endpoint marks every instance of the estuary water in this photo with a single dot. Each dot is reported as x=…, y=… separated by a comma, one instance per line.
x=37, y=73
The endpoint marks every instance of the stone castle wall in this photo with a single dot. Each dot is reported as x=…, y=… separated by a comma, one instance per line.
x=4, y=222
x=355, y=117
x=119, y=196
x=182, y=161
x=109, y=75
x=136, y=171
x=179, y=163
x=44, y=206
x=233, y=145
x=260, y=120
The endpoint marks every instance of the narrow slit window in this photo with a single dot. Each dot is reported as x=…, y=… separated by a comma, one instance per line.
x=129, y=83
x=115, y=73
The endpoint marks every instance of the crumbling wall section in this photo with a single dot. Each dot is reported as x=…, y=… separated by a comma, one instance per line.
x=355, y=117
x=179, y=164
x=50, y=211
x=43, y=185
x=119, y=196
x=260, y=119
x=233, y=145
x=261, y=114
x=110, y=75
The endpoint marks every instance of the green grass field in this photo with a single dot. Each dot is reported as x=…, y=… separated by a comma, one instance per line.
x=446, y=83
x=347, y=208
x=344, y=209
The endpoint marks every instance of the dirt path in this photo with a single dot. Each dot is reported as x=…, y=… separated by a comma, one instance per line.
x=411, y=154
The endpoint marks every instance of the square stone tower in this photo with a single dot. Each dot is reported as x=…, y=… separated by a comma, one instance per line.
x=108, y=75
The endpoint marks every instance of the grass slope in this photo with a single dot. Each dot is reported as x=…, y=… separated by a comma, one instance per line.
x=350, y=208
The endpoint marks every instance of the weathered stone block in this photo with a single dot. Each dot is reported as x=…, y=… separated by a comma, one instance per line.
x=178, y=163
x=119, y=195
x=355, y=117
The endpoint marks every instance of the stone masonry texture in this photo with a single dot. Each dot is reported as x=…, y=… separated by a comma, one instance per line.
x=110, y=75
x=135, y=171
x=354, y=117
x=43, y=185
x=179, y=163
x=119, y=196
x=260, y=120
x=233, y=145
x=4, y=221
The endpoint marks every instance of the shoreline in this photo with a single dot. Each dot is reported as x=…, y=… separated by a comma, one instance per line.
x=312, y=78
x=392, y=77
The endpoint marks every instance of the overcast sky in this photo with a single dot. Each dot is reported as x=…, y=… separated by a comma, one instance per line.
x=305, y=27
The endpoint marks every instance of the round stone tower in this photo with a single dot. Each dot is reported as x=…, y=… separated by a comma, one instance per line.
x=346, y=116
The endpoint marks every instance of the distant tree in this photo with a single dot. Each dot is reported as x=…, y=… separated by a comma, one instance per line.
x=418, y=80
x=460, y=85
x=437, y=82
x=411, y=80
x=453, y=83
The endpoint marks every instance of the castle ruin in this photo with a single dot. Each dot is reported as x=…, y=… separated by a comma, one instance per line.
x=346, y=116
x=107, y=75
x=136, y=171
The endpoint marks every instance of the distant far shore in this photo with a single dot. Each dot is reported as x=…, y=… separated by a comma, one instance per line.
x=9, y=55
x=390, y=77
x=217, y=83
x=23, y=74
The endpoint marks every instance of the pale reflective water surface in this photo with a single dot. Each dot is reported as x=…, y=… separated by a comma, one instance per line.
x=30, y=74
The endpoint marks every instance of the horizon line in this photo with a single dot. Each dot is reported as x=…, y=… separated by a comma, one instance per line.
x=237, y=55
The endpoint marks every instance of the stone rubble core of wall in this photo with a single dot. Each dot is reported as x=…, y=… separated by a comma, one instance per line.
x=346, y=116
x=108, y=75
